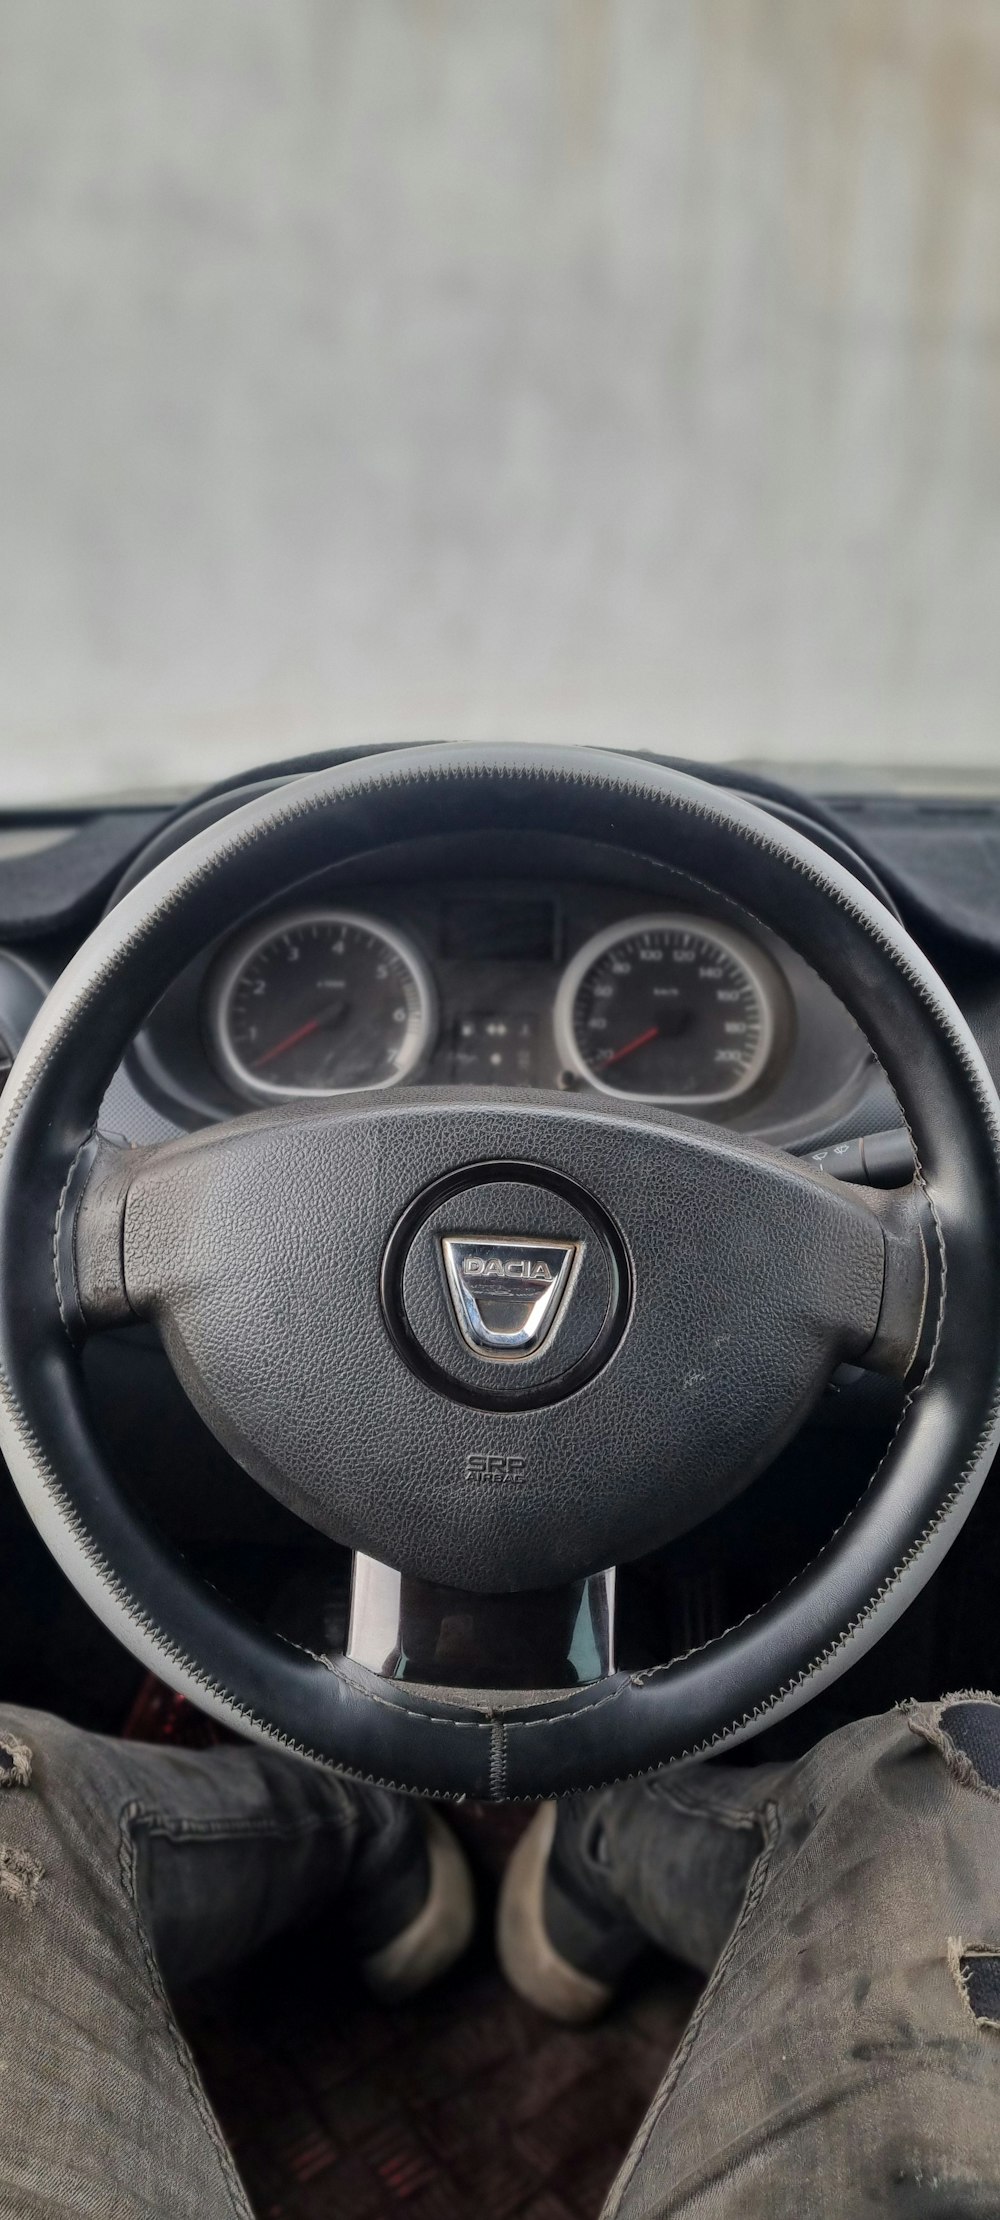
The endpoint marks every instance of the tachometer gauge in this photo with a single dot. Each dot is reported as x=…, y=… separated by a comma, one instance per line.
x=667, y=1009
x=320, y=1003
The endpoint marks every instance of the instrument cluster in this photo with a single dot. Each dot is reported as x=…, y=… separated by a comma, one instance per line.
x=661, y=1006
x=569, y=983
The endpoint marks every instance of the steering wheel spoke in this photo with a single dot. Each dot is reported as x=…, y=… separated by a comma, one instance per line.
x=416, y=1631
x=88, y=1248
x=911, y=1288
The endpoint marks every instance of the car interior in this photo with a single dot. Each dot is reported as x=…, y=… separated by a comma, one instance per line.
x=498, y=1251
x=499, y=1110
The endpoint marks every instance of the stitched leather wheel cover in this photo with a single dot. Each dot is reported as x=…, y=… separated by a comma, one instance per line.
x=334, y=1713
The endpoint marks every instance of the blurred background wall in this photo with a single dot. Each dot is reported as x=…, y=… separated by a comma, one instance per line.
x=556, y=368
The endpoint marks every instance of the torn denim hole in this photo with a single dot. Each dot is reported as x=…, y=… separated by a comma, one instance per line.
x=15, y=1762
x=965, y=1730
x=19, y=1878
x=975, y=1968
x=975, y=1730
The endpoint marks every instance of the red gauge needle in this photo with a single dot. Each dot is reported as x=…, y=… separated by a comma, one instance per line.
x=291, y=1040
x=639, y=1042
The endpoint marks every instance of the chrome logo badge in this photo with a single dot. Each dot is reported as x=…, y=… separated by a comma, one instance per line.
x=508, y=1292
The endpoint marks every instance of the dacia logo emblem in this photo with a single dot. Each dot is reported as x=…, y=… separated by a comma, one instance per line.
x=508, y=1292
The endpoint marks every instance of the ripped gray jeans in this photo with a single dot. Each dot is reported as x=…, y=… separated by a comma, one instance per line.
x=124, y=1869
x=844, y=2057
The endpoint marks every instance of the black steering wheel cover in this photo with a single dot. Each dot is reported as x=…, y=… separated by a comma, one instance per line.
x=869, y=1570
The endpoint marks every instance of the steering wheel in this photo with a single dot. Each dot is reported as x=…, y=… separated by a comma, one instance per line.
x=497, y=1342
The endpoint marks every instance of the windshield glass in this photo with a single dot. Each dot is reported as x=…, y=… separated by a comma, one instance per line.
x=614, y=373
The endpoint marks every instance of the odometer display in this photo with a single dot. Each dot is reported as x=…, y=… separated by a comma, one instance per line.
x=320, y=1003
x=667, y=1009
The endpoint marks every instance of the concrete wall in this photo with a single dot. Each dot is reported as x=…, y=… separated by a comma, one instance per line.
x=621, y=368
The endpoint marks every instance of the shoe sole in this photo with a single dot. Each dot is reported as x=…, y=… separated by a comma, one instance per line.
x=527, y=1956
x=442, y=1929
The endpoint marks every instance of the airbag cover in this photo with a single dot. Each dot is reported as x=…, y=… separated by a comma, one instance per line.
x=259, y=1249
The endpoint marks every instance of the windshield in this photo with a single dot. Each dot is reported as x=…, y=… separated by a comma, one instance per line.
x=616, y=373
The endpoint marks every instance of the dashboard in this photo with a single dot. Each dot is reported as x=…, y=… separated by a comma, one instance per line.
x=648, y=992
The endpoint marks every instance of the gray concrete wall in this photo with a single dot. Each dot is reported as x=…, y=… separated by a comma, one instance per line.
x=613, y=368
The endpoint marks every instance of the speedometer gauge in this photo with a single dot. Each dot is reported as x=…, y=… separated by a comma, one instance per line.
x=320, y=1003
x=667, y=1009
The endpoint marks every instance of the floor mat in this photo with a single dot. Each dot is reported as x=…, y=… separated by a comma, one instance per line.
x=465, y=2103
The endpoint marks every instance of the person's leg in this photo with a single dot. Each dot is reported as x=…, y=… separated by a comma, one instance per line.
x=595, y=1879
x=845, y=2054
x=124, y=1869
